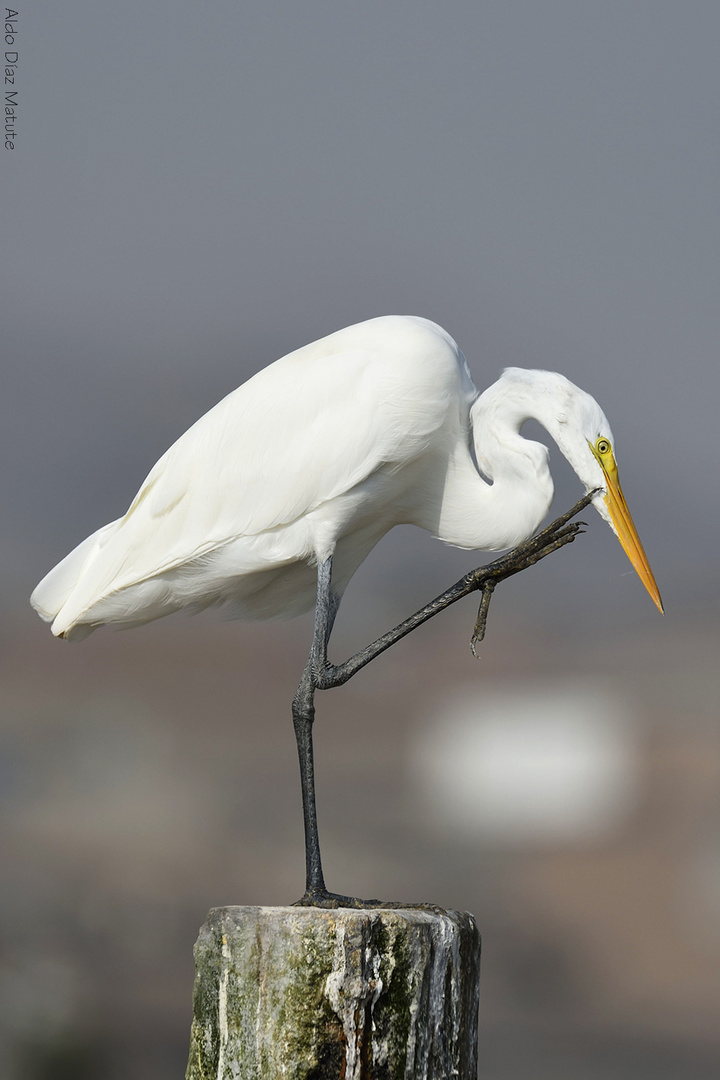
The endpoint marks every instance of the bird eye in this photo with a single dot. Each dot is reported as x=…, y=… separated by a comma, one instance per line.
x=602, y=446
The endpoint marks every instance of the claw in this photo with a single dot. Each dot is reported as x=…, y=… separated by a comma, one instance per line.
x=324, y=899
x=481, y=622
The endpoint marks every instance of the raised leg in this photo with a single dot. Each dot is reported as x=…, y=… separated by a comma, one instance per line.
x=562, y=531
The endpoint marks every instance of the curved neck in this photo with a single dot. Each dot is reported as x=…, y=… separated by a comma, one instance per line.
x=475, y=513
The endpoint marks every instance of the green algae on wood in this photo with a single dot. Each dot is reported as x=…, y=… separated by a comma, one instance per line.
x=344, y=994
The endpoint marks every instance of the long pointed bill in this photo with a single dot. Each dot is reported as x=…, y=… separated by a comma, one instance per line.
x=627, y=533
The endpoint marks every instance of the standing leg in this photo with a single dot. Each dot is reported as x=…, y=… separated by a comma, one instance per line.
x=318, y=673
x=303, y=717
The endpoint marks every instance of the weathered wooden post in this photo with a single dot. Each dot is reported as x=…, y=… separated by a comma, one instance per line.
x=342, y=994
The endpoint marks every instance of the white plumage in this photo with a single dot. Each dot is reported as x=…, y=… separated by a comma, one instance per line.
x=320, y=454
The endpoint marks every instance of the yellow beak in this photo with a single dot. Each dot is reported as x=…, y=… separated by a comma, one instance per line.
x=625, y=527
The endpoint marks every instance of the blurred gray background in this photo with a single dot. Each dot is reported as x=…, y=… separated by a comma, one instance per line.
x=194, y=192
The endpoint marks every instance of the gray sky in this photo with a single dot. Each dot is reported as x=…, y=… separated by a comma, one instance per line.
x=198, y=189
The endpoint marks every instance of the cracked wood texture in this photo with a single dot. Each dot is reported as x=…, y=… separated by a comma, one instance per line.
x=341, y=994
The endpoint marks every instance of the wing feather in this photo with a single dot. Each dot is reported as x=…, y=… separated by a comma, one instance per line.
x=298, y=434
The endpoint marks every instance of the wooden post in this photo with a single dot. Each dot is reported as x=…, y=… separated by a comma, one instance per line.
x=343, y=994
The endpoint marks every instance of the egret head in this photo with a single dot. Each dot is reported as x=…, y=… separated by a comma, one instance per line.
x=610, y=504
x=583, y=434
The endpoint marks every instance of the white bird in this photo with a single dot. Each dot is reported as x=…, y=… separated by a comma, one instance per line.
x=322, y=453
x=273, y=499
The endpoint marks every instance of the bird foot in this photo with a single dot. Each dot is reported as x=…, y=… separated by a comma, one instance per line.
x=321, y=898
x=560, y=532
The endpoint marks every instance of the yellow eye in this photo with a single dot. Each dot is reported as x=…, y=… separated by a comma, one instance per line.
x=603, y=446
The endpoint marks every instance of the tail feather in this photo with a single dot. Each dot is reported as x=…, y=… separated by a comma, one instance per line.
x=57, y=587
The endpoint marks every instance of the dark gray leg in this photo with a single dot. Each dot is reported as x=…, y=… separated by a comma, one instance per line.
x=319, y=674
x=303, y=718
x=315, y=674
x=326, y=607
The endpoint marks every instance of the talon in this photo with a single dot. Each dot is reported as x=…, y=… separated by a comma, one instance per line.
x=324, y=899
x=481, y=621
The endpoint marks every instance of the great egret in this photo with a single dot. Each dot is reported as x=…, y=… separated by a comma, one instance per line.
x=271, y=501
